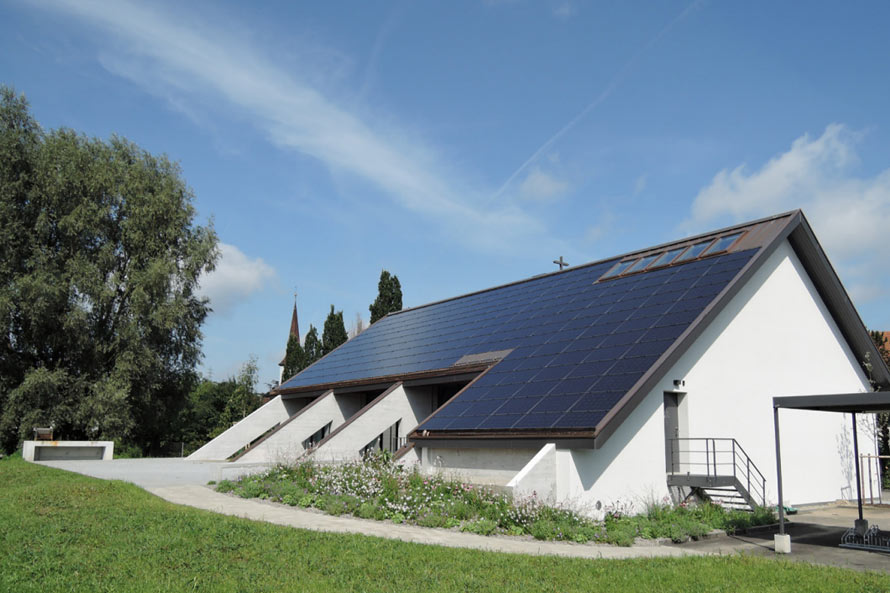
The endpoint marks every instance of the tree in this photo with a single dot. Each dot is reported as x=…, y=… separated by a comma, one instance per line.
x=100, y=264
x=213, y=406
x=243, y=399
x=312, y=346
x=882, y=419
x=294, y=357
x=389, y=296
x=334, y=332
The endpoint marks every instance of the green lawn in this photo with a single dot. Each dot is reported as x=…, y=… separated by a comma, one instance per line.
x=65, y=532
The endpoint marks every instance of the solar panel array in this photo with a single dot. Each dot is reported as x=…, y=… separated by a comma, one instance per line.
x=578, y=344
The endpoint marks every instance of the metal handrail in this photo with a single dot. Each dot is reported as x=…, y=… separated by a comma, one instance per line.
x=743, y=469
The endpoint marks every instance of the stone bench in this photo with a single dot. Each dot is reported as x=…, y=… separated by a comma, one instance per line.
x=67, y=450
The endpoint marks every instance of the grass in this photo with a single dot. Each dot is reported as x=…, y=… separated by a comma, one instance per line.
x=378, y=488
x=65, y=532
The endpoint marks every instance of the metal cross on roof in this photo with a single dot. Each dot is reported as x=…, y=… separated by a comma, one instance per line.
x=562, y=264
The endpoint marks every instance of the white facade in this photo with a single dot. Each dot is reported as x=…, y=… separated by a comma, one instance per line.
x=774, y=338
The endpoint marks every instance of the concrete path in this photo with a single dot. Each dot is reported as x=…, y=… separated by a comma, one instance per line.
x=204, y=497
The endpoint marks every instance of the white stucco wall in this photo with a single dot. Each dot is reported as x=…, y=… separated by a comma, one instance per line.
x=538, y=477
x=481, y=466
x=774, y=338
x=286, y=445
x=252, y=426
x=408, y=404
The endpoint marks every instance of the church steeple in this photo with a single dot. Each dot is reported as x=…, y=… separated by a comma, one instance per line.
x=294, y=331
x=294, y=322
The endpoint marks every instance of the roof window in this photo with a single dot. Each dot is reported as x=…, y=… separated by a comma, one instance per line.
x=693, y=252
x=722, y=244
x=618, y=269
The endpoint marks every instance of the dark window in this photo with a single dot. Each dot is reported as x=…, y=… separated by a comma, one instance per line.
x=317, y=436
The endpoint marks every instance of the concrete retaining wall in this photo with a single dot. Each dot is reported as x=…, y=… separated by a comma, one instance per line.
x=410, y=405
x=285, y=445
x=247, y=430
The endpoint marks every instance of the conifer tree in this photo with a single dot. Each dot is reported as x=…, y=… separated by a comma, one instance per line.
x=294, y=358
x=311, y=346
x=389, y=296
x=334, y=331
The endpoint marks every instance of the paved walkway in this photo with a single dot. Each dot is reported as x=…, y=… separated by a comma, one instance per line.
x=204, y=497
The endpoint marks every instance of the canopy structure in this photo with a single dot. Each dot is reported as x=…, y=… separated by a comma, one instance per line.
x=851, y=403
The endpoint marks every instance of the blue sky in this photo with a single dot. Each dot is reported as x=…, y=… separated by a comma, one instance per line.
x=462, y=145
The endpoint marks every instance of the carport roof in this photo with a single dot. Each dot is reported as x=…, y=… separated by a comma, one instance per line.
x=874, y=401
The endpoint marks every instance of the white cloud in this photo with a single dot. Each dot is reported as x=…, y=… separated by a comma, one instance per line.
x=541, y=186
x=189, y=60
x=564, y=10
x=849, y=214
x=235, y=279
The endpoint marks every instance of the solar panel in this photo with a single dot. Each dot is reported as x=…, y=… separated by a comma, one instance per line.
x=577, y=344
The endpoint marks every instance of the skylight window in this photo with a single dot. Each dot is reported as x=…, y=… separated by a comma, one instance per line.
x=619, y=268
x=667, y=257
x=694, y=251
x=641, y=264
x=722, y=244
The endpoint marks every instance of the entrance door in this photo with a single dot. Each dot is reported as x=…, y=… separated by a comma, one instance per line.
x=671, y=431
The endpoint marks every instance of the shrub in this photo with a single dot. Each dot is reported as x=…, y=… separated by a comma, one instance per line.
x=432, y=520
x=225, y=486
x=480, y=526
x=378, y=488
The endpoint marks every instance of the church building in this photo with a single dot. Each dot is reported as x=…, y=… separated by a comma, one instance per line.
x=645, y=375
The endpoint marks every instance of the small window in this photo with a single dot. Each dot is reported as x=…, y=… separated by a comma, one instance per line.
x=722, y=244
x=667, y=257
x=641, y=264
x=694, y=251
x=619, y=268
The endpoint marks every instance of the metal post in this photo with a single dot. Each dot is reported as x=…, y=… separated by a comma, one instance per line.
x=856, y=457
x=707, y=459
x=779, y=472
x=733, y=460
x=871, y=490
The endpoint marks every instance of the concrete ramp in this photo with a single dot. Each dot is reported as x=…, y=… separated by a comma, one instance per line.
x=248, y=430
x=407, y=406
x=286, y=444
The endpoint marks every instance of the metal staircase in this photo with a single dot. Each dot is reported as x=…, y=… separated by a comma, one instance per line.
x=715, y=469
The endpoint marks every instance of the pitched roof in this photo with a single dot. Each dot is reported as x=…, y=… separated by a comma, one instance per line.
x=571, y=352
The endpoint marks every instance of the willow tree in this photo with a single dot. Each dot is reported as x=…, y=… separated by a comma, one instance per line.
x=100, y=264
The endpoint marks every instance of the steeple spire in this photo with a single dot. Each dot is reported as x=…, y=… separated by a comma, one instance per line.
x=294, y=322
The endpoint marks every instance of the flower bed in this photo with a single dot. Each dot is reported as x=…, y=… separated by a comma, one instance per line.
x=377, y=488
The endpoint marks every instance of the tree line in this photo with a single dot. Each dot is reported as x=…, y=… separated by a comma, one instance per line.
x=297, y=357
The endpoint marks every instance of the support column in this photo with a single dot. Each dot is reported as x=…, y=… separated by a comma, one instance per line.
x=782, y=540
x=861, y=524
